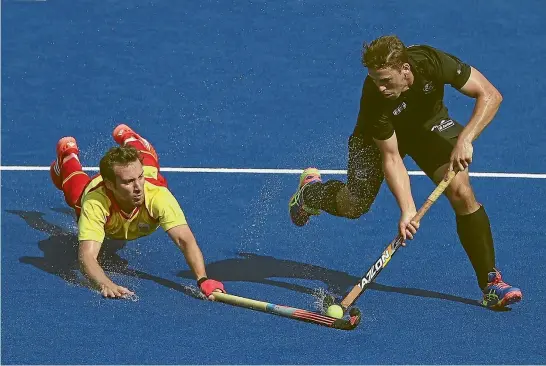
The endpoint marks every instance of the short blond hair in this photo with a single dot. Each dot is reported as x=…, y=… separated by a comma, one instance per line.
x=384, y=52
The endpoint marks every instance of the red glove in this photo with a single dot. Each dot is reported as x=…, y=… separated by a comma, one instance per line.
x=208, y=286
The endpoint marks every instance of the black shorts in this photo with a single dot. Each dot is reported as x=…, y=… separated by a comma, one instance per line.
x=431, y=145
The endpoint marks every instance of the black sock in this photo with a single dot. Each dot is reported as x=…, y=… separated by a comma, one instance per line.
x=475, y=234
x=323, y=196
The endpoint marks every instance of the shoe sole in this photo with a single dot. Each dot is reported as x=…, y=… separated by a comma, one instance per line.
x=509, y=299
x=122, y=127
x=298, y=220
x=144, y=142
x=62, y=148
x=306, y=177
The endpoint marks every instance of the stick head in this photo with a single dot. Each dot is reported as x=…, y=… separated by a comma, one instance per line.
x=355, y=312
x=355, y=316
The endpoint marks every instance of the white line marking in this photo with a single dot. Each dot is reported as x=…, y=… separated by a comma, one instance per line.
x=277, y=171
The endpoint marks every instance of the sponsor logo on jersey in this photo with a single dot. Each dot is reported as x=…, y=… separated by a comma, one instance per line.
x=142, y=226
x=428, y=88
x=443, y=125
x=399, y=109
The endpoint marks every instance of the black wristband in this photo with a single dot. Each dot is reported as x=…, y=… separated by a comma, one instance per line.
x=201, y=280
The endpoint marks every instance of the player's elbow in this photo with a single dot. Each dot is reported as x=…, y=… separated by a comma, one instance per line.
x=185, y=244
x=497, y=96
x=494, y=96
x=181, y=244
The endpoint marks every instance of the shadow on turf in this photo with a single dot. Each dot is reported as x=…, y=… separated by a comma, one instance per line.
x=60, y=256
x=263, y=269
x=61, y=259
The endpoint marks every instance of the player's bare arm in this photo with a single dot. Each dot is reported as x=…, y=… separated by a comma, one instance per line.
x=398, y=181
x=184, y=239
x=87, y=255
x=488, y=100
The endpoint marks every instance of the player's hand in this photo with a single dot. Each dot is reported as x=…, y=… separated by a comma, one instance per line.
x=208, y=286
x=406, y=226
x=111, y=290
x=461, y=157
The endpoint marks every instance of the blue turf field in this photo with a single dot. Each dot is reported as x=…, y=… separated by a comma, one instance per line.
x=256, y=84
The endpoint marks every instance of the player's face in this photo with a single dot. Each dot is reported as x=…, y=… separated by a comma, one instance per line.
x=129, y=186
x=391, y=82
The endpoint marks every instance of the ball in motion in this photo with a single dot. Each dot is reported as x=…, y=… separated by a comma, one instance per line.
x=335, y=311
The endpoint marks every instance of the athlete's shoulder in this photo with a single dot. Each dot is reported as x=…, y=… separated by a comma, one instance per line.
x=422, y=55
x=423, y=51
x=429, y=61
x=155, y=192
x=97, y=198
x=160, y=202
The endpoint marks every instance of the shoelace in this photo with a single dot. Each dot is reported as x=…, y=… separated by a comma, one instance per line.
x=500, y=285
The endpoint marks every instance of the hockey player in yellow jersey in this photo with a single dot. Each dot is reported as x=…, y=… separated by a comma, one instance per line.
x=129, y=199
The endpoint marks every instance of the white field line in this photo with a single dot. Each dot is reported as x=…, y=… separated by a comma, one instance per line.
x=277, y=171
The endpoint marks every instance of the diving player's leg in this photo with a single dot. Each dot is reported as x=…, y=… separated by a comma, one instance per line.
x=66, y=171
x=351, y=200
x=124, y=135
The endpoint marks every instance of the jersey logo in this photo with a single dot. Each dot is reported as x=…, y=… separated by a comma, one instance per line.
x=443, y=125
x=428, y=88
x=399, y=109
x=142, y=226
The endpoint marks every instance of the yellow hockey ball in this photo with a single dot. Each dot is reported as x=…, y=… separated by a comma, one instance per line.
x=335, y=311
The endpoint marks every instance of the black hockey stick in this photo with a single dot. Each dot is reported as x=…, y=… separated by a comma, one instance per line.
x=391, y=249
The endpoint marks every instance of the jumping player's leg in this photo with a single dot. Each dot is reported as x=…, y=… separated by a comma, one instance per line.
x=473, y=226
x=364, y=178
x=124, y=135
x=350, y=200
x=66, y=172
